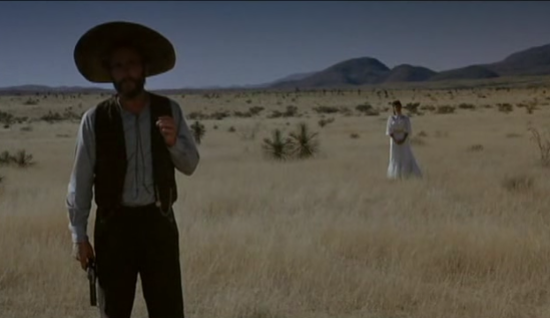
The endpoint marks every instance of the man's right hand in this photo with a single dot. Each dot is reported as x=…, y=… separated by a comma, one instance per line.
x=83, y=252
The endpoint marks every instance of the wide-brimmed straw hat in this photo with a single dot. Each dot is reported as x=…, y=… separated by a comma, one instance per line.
x=91, y=50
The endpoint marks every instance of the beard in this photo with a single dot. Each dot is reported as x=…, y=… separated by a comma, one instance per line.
x=130, y=88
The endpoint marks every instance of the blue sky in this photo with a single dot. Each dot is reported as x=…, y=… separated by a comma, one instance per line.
x=250, y=42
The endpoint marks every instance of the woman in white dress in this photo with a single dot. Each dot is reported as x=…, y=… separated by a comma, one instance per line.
x=402, y=161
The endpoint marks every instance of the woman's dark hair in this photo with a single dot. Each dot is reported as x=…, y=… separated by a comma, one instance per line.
x=396, y=103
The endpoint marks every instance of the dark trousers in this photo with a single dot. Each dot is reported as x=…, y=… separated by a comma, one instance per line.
x=132, y=241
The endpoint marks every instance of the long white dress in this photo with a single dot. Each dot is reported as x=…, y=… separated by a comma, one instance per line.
x=402, y=161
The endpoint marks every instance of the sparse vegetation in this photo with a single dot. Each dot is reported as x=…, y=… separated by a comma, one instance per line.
x=198, y=131
x=424, y=245
x=325, y=121
x=505, y=108
x=518, y=183
x=445, y=109
x=328, y=109
x=467, y=106
x=300, y=144
x=304, y=142
x=21, y=159
x=278, y=147
x=543, y=145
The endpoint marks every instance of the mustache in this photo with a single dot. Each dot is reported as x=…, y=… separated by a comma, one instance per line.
x=128, y=80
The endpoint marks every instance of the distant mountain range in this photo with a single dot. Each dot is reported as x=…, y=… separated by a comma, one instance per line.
x=29, y=89
x=368, y=70
x=364, y=71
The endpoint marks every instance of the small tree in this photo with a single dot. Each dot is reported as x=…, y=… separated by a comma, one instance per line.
x=198, y=131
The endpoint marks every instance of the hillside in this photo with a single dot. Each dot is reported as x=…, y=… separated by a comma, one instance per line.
x=367, y=70
x=356, y=71
x=467, y=73
x=409, y=73
x=533, y=61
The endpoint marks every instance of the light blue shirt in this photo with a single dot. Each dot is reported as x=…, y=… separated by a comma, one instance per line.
x=138, y=186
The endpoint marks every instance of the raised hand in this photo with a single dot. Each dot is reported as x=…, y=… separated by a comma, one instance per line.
x=167, y=127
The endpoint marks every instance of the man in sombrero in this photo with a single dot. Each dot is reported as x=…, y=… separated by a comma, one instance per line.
x=128, y=149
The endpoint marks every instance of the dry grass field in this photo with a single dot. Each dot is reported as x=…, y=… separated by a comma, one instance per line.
x=327, y=236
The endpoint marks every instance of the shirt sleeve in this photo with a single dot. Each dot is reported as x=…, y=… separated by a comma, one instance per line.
x=79, y=194
x=185, y=155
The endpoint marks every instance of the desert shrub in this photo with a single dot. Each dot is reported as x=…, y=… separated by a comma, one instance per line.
x=278, y=147
x=21, y=159
x=467, y=106
x=518, y=183
x=240, y=114
x=354, y=136
x=363, y=108
x=326, y=109
x=231, y=129
x=475, y=148
x=445, y=109
x=300, y=144
x=304, y=142
x=367, y=110
x=8, y=119
x=325, y=121
x=412, y=107
x=430, y=108
x=543, y=145
x=531, y=107
x=255, y=110
x=31, y=101
x=69, y=114
x=275, y=114
x=51, y=117
x=198, y=131
x=505, y=108
x=5, y=158
x=219, y=115
x=196, y=116
x=290, y=111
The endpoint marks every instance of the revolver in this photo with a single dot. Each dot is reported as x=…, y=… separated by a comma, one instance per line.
x=92, y=281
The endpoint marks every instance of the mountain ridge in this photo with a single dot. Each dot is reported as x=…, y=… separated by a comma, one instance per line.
x=359, y=71
x=531, y=61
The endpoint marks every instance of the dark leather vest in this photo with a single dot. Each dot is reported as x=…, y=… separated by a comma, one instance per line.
x=111, y=162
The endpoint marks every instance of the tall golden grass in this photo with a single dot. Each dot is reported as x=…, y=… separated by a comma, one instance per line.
x=325, y=237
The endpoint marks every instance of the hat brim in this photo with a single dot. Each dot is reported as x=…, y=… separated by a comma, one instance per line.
x=90, y=50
